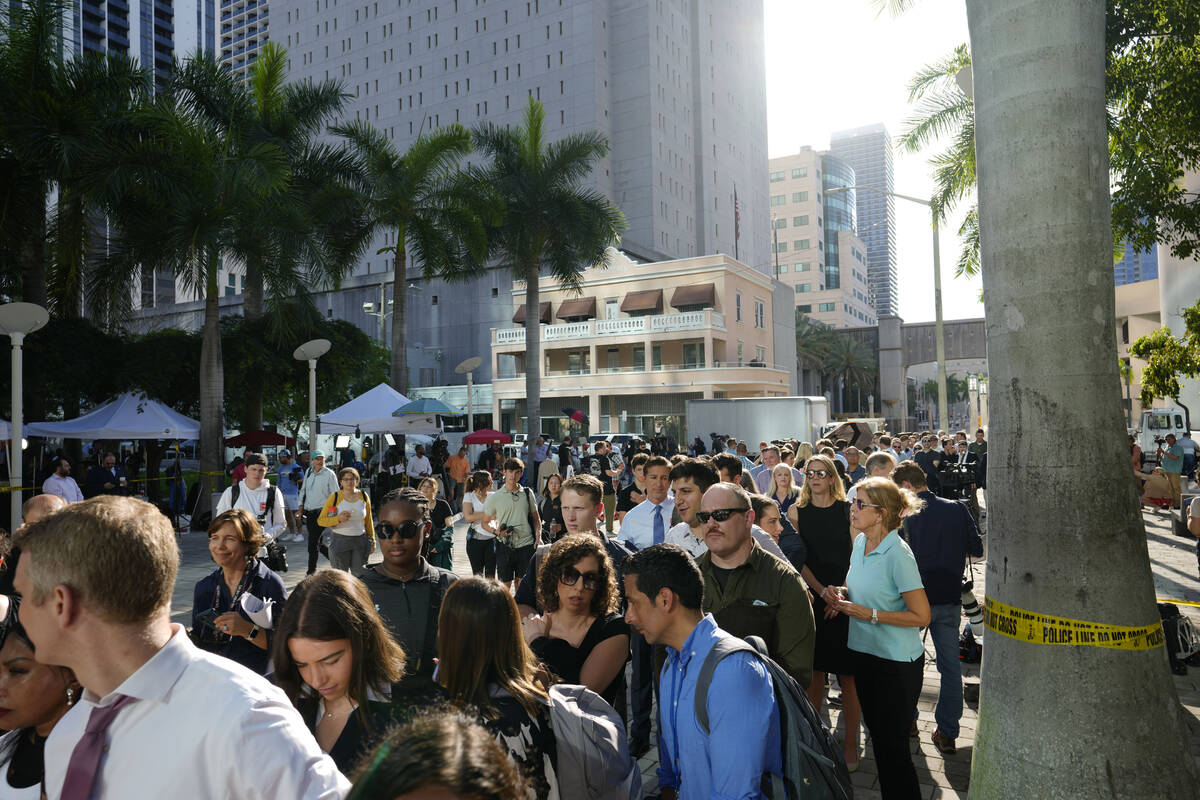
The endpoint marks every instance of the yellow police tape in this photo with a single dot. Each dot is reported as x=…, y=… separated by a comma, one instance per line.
x=1178, y=602
x=1034, y=628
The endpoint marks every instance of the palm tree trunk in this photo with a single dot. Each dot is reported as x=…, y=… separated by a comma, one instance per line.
x=533, y=354
x=212, y=390
x=1114, y=727
x=33, y=253
x=252, y=308
x=399, y=321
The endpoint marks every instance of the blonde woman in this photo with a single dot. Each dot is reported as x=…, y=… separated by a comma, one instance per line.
x=821, y=516
x=884, y=600
x=783, y=489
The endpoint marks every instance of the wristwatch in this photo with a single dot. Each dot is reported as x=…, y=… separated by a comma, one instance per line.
x=874, y=616
x=253, y=634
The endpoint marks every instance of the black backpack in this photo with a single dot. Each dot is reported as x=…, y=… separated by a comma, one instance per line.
x=1181, y=639
x=276, y=555
x=813, y=764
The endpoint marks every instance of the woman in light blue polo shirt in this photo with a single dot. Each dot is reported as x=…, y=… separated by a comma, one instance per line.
x=886, y=603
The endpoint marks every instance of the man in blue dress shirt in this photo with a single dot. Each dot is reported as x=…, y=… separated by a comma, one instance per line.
x=664, y=589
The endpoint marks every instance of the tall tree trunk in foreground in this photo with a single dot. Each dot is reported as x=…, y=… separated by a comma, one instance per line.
x=212, y=393
x=252, y=308
x=533, y=358
x=1067, y=539
x=399, y=321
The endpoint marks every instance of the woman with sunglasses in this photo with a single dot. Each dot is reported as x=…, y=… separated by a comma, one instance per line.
x=884, y=600
x=439, y=548
x=821, y=516
x=489, y=671
x=407, y=590
x=580, y=636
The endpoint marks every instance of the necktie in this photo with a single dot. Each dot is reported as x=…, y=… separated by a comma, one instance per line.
x=660, y=528
x=85, y=758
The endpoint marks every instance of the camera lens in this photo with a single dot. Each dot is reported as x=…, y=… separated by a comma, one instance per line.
x=973, y=611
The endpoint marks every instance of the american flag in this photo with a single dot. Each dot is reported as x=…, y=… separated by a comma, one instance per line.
x=737, y=217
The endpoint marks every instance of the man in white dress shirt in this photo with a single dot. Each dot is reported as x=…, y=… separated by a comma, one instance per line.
x=62, y=484
x=191, y=724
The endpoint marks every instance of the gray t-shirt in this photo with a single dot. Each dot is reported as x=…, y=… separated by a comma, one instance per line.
x=512, y=509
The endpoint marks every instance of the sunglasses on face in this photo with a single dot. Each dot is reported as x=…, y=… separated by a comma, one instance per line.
x=817, y=473
x=571, y=576
x=860, y=505
x=720, y=514
x=405, y=530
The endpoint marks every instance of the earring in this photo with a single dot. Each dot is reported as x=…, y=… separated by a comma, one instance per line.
x=70, y=695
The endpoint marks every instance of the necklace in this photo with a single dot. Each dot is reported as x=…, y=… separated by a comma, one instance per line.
x=332, y=714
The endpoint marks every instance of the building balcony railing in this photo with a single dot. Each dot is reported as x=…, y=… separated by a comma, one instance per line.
x=748, y=367
x=626, y=326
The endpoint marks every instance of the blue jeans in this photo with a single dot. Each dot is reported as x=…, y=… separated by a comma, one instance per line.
x=944, y=622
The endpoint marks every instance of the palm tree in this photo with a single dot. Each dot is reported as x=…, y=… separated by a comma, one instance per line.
x=186, y=176
x=1041, y=153
x=428, y=208
x=551, y=223
x=813, y=341
x=849, y=361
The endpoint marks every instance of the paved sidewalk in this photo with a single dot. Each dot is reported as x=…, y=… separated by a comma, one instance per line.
x=1173, y=560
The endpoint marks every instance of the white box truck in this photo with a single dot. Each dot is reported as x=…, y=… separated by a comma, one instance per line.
x=757, y=419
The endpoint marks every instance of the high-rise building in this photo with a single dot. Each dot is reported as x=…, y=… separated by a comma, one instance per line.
x=869, y=151
x=817, y=250
x=676, y=86
x=1136, y=265
x=244, y=26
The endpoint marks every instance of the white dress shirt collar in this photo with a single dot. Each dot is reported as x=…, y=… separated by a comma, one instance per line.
x=154, y=679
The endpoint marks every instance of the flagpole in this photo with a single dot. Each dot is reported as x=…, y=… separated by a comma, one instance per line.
x=737, y=224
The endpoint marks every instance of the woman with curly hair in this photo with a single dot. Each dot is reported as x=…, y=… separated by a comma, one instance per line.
x=488, y=670
x=336, y=661
x=580, y=636
x=445, y=755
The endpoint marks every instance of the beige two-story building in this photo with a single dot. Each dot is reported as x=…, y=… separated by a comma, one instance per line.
x=639, y=340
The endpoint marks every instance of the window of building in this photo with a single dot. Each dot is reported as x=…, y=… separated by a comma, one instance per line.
x=578, y=362
x=777, y=176
x=760, y=355
x=778, y=199
x=805, y=308
x=802, y=244
x=783, y=268
x=760, y=314
x=612, y=308
x=801, y=220
x=826, y=306
x=801, y=288
x=781, y=247
x=693, y=355
x=740, y=357
x=799, y=197
x=803, y=266
x=614, y=359
x=639, y=358
x=780, y=223
x=800, y=172
x=738, y=305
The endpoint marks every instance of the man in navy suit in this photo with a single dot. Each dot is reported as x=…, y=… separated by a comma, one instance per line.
x=941, y=536
x=108, y=478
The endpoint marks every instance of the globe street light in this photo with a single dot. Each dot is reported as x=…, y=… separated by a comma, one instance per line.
x=310, y=351
x=17, y=320
x=939, y=330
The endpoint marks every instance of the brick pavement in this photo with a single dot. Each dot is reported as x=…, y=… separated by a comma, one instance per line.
x=1173, y=561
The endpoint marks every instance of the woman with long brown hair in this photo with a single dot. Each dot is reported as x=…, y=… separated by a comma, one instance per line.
x=488, y=670
x=336, y=661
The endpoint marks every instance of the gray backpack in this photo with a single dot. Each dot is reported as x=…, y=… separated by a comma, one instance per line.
x=593, y=754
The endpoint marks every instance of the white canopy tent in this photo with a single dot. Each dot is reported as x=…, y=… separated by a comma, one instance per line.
x=130, y=416
x=371, y=412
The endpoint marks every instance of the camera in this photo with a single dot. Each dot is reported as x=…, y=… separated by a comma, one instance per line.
x=971, y=607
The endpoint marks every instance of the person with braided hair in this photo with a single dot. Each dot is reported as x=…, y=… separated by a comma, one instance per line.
x=406, y=589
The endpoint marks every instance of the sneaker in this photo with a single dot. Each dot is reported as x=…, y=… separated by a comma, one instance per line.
x=944, y=744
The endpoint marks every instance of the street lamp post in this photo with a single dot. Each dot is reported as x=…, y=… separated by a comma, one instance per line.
x=938, y=327
x=310, y=351
x=17, y=320
x=385, y=308
x=972, y=399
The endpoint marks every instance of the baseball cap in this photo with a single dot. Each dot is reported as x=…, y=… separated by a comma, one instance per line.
x=284, y=454
x=318, y=454
x=254, y=458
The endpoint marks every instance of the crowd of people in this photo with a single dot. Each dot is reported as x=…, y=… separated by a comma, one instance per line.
x=388, y=677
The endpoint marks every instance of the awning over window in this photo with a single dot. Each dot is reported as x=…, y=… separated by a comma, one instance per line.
x=649, y=300
x=704, y=294
x=543, y=314
x=579, y=307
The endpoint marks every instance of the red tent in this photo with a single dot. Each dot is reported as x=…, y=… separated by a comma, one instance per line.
x=260, y=439
x=487, y=436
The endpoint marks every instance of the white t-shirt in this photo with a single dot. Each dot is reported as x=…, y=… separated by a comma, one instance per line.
x=358, y=513
x=477, y=503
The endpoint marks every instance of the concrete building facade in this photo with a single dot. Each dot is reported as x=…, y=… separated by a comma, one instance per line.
x=869, y=151
x=640, y=339
x=817, y=251
x=678, y=88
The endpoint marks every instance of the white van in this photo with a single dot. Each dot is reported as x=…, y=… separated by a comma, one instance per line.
x=1153, y=428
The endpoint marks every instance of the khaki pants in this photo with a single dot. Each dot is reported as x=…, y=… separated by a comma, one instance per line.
x=1176, y=496
x=610, y=512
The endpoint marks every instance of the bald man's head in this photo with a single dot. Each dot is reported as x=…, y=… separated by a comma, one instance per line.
x=40, y=506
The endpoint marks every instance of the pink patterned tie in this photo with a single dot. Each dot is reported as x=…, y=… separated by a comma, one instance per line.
x=85, y=758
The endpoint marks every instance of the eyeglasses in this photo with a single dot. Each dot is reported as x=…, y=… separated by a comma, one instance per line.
x=571, y=576
x=860, y=505
x=405, y=530
x=720, y=515
x=817, y=473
